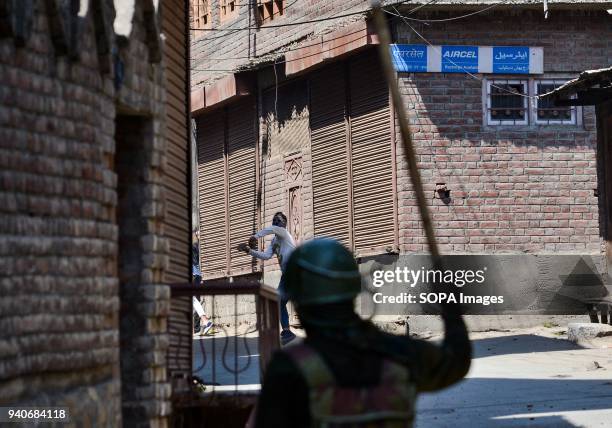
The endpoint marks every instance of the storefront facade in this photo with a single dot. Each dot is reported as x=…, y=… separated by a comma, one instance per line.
x=509, y=174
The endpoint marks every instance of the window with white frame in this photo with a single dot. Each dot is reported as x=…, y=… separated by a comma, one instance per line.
x=507, y=102
x=515, y=102
x=546, y=112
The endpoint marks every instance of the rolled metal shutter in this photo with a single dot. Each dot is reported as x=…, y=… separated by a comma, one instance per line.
x=177, y=181
x=372, y=160
x=212, y=191
x=242, y=144
x=330, y=168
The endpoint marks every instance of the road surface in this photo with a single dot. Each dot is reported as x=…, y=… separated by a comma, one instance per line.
x=526, y=378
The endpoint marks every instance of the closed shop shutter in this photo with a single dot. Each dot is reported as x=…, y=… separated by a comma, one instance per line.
x=372, y=160
x=227, y=179
x=353, y=161
x=212, y=194
x=330, y=169
x=242, y=144
x=177, y=181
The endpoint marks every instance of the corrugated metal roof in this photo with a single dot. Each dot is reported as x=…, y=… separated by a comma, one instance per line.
x=460, y=3
x=600, y=78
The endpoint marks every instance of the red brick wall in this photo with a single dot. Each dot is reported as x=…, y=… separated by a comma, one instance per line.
x=61, y=293
x=513, y=189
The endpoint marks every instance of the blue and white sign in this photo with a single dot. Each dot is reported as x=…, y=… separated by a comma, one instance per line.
x=411, y=58
x=471, y=59
x=511, y=59
x=458, y=59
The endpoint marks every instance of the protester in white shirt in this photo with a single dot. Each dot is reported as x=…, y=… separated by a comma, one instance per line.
x=282, y=246
x=205, y=322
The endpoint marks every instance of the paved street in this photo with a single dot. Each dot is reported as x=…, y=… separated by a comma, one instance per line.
x=236, y=361
x=526, y=378
x=522, y=377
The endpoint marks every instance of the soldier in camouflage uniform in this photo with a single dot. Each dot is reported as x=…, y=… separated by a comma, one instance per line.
x=347, y=372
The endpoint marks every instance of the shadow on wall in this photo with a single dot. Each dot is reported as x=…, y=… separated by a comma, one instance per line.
x=506, y=169
x=523, y=284
x=286, y=118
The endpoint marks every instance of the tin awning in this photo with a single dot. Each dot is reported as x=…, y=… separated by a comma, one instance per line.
x=589, y=88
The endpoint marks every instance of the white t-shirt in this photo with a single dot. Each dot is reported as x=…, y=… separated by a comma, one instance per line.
x=282, y=245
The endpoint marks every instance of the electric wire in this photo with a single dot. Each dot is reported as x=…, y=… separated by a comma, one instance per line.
x=405, y=19
x=235, y=30
x=281, y=50
x=291, y=24
x=453, y=18
x=473, y=76
x=276, y=61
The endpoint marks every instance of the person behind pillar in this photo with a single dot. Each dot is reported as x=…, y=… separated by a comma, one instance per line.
x=205, y=322
x=282, y=246
x=347, y=372
x=195, y=259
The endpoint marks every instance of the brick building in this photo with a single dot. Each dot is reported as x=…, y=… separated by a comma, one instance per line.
x=95, y=205
x=297, y=118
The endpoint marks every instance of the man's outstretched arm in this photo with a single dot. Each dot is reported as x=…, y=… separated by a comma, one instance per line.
x=281, y=232
x=263, y=255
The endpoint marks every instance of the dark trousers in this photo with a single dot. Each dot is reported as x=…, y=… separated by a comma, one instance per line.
x=284, y=314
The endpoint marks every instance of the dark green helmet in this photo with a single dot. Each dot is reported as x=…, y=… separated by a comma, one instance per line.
x=321, y=271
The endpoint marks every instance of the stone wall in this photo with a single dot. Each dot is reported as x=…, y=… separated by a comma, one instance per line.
x=145, y=300
x=63, y=277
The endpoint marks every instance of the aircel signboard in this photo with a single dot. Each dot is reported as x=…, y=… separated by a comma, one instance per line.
x=472, y=59
x=457, y=59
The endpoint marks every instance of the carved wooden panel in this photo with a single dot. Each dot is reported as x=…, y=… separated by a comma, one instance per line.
x=293, y=184
x=295, y=219
x=293, y=171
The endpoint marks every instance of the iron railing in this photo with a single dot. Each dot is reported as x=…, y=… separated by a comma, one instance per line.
x=244, y=335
